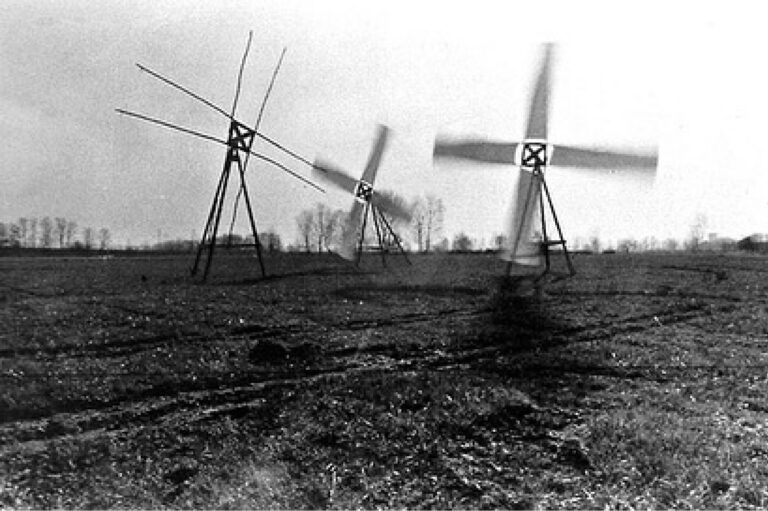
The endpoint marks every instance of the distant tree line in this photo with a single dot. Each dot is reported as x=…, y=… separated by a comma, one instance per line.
x=59, y=232
x=321, y=229
x=270, y=242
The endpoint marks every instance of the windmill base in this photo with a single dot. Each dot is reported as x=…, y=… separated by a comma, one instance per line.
x=240, y=140
x=382, y=227
x=536, y=273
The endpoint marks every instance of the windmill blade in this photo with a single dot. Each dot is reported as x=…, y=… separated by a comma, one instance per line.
x=169, y=125
x=185, y=91
x=240, y=73
x=334, y=176
x=181, y=129
x=269, y=90
x=538, y=111
x=482, y=151
x=221, y=111
x=523, y=245
x=569, y=156
x=390, y=207
x=369, y=174
x=349, y=233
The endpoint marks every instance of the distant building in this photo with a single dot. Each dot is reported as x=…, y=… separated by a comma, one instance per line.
x=754, y=243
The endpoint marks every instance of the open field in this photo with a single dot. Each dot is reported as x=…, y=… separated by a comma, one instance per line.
x=641, y=382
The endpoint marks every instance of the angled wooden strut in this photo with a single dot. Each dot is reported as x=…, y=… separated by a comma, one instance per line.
x=383, y=228
x=239, y=144
x=534, y=158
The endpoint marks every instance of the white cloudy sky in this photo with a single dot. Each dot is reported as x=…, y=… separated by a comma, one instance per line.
x=686, y=76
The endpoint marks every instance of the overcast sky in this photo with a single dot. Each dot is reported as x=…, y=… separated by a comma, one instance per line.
x=685, y=76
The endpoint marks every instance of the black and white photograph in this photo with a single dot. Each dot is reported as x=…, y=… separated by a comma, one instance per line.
x=337, y=254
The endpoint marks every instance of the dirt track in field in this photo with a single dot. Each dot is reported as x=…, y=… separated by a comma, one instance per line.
x=95, y=351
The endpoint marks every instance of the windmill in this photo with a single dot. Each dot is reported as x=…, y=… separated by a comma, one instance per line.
x=528, y=250
x=367, y=201
x=239, y=143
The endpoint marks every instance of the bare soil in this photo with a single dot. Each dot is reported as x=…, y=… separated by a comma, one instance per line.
x=641, y=382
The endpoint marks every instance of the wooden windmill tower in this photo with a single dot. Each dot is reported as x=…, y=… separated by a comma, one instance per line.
x=367, y=202
x=239, y=144
x=528, y=242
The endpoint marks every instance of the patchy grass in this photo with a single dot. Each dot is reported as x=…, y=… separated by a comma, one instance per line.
x=639, y=383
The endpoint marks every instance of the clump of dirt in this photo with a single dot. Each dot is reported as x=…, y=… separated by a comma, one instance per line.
x=269, y=351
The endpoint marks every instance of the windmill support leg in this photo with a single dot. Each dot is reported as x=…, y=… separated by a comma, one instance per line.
x=212, y=245
x=362, y=234
x=394, y=236
x=567, y=255
x=208, y=224
x=379, y=237
x=248, y=207
x=545, y=245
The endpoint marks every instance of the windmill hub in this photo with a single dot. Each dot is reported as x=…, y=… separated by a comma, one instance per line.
x=363, y=192
x=240, y=136
x=534, y=153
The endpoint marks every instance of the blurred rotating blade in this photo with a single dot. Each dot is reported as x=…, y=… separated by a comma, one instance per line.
x=369, y=174
x=567, y=156
x=390, y=207
x=523, y=243
x=538, y=111
x=349, y=233
x=326, y=171
x=486, y=152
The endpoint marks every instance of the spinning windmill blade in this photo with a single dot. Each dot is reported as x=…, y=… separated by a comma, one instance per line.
x=533, y=155
x=365, y=197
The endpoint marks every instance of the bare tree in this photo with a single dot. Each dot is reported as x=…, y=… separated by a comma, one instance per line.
x=326, y=226
x=322, y=216
x=271, y=241
x=594, y=244
x=88, y=236
x=651, y=243
x=32, y=233
x=441, y=246
x=671, y=244
x=104, y=238
x=418, y=221
x=698, y=227
x=435, y=214
x=461, y=243
x=334, y=227
x=23, y=231
x=46, y=232
x=627, y=245
x=304, y=222
x=61, y=229
x=14, y=235
x=70, y=232
x=427, y=215
x=3, y=231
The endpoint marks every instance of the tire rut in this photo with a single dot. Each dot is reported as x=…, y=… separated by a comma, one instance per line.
x=159, y=406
